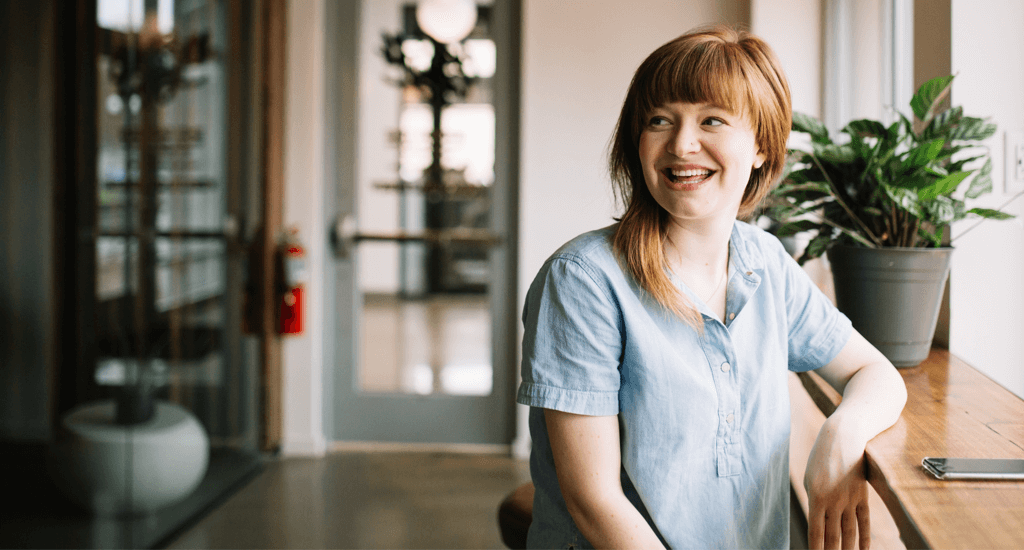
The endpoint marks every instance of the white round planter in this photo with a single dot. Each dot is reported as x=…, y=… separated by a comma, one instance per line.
x=113, y=469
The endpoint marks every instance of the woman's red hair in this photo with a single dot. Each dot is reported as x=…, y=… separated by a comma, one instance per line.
x=718, y=65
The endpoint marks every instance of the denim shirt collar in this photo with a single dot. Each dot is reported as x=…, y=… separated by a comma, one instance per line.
x=746, y=268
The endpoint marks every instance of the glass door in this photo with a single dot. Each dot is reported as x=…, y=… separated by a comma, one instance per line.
x=159, y=405
x=425, y=300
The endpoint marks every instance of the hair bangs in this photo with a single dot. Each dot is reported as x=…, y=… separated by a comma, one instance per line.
x=706, y=73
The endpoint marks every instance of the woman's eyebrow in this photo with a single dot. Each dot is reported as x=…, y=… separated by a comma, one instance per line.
x=717, y=107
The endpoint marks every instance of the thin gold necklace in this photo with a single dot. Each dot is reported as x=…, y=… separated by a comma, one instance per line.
x=720, y=280
x=715, y=292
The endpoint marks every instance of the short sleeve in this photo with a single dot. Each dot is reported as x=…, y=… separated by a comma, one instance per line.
x=572, y=341
x=817, y=330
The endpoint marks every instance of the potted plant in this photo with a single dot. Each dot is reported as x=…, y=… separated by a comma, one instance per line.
x=878, y=200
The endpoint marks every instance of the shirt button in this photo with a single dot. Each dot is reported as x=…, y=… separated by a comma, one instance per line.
x=726, y=367
x=732, y=316
x=750, y=273
x=729, y=419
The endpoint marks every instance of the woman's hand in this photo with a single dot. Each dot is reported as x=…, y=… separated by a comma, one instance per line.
x=873, y=398
x=837, y=491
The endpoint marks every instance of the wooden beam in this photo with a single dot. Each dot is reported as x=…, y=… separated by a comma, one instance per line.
x=273, y=85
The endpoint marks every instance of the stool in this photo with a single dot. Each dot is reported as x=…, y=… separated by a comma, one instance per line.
x=515, y=514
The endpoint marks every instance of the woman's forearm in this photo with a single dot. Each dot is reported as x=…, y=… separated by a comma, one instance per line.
x=872, y=402
x=612, y=522
x=873, y=390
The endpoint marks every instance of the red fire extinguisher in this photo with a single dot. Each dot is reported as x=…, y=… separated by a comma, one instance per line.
x=294, y=259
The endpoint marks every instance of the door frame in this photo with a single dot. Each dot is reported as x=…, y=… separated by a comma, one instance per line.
x=341, y=94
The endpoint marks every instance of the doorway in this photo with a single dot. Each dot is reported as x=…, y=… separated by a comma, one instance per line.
x=424, y=282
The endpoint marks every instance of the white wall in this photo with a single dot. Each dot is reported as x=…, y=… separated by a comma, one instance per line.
x=987, y=280
x=793, y=29
x=577, y=62
x=302, y=356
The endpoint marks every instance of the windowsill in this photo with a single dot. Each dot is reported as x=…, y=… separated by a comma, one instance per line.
x=952, y=411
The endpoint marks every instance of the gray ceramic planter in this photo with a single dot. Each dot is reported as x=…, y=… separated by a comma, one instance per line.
x=892, y=296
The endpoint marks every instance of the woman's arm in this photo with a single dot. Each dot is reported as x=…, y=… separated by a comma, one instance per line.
x=873, y=398
x=587, y=460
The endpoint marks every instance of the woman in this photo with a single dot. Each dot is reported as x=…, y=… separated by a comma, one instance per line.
x=655, y=351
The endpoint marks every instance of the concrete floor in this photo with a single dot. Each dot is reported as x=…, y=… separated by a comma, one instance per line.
x=365, y=500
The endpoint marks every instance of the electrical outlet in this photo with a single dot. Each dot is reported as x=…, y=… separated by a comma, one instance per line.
x=1013, y=176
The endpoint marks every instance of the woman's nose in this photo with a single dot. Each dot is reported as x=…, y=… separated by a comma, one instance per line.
x=686, y=141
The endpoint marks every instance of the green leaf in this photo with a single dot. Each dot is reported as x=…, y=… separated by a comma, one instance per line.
x=940, y=211
x=816, y=247
x=904, y=199
x=804, y=175
x=835, y=154
x=865, y=128
x=934, y=238
x=982, y=183
x=930, y=93
x=809, y=195
x=959, y=210
x=943, y=123
x=990, y=214
x=959, y=164
x=912, y=181
x=923, y=154
x=943, y=186
x=810, y=125
x=792, y=228
x=972, y=129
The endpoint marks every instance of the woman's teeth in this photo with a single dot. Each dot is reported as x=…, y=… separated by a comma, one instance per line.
x=692, y=176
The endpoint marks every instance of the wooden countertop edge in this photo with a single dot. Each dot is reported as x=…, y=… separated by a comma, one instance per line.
x=909, y=532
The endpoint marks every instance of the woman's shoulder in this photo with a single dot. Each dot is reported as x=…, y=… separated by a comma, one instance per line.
x=587, y=257
x=591, y=249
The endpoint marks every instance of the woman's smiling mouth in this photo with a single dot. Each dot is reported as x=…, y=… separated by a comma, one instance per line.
x=689, y=176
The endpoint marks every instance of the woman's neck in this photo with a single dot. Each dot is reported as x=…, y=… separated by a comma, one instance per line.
x=699, y=256
x=698, y=246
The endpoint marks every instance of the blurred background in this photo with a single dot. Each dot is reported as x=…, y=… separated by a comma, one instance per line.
x=238, y=230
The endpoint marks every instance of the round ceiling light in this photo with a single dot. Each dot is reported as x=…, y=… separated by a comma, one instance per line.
x=446, y=21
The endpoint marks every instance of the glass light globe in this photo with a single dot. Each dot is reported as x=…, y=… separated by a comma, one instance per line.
x=446, y=21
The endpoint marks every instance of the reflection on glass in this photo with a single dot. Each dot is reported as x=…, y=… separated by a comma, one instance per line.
x=425, y=326
x=439, y=345
x=170, y=419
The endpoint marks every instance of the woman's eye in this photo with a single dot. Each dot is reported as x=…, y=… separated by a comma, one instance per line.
x=714, y=121
x=658, y=121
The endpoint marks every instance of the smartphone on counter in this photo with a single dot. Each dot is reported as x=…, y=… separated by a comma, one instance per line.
x=974, y=468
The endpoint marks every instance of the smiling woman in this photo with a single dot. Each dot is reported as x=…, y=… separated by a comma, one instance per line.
x=739, y=81
x=697, y=159
x=655, y=350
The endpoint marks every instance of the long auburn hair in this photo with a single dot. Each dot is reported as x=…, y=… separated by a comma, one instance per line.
x=719, y=65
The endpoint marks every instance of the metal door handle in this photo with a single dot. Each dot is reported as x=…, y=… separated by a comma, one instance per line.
x=344, y=236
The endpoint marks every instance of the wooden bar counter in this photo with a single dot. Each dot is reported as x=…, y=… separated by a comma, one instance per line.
x=952, y=411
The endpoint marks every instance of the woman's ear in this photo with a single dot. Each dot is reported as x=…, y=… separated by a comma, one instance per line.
x=759, y=158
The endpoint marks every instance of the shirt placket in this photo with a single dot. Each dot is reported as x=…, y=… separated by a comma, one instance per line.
x=721, y=355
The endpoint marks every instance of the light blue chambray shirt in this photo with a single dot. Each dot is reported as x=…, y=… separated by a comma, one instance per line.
x=704, y=421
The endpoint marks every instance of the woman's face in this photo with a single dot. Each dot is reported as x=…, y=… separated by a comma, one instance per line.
x=697, y=160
